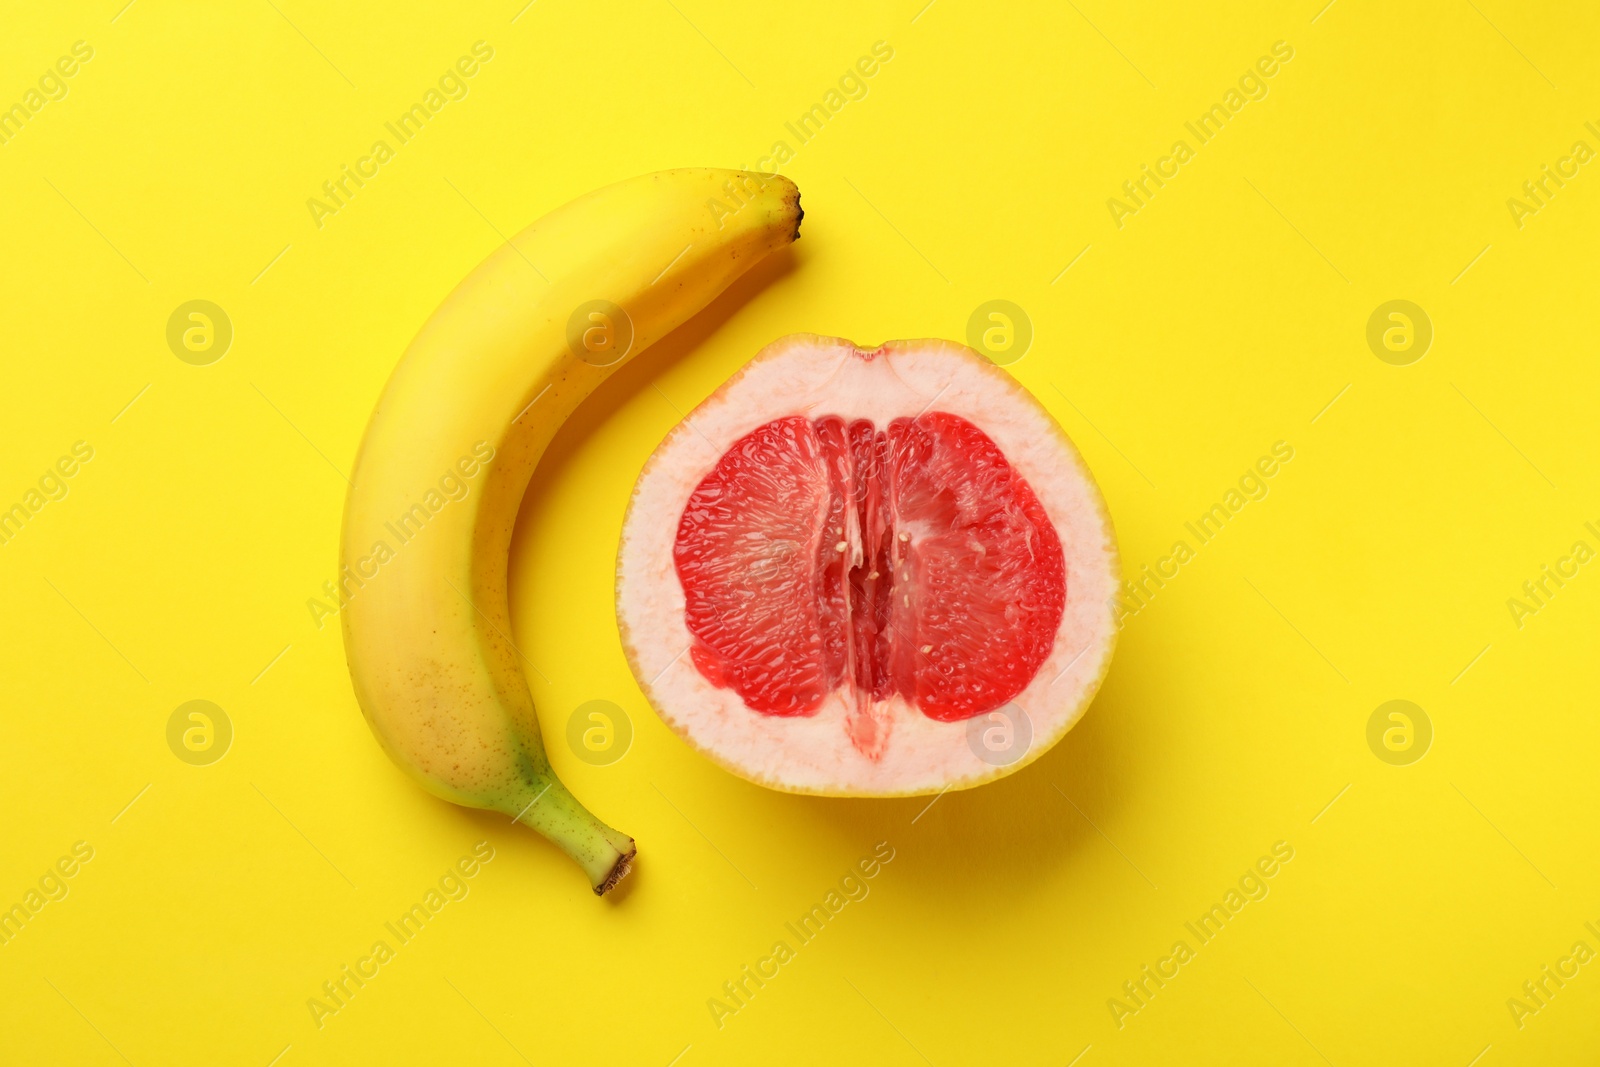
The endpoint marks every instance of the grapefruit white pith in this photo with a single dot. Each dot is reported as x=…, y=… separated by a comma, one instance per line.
x=868, y=572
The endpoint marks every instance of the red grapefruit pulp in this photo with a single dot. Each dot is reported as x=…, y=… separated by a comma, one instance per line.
x=848, y=561
x=817, y=555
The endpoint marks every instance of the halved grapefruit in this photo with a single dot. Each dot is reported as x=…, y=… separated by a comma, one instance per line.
x=868, y=572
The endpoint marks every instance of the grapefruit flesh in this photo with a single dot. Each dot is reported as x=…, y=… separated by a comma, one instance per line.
x=911, y=560
x=852, y=570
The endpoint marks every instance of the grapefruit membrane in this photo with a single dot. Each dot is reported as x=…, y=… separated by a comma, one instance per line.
x=868, y=572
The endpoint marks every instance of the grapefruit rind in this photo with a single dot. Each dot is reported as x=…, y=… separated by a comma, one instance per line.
x=816, y=376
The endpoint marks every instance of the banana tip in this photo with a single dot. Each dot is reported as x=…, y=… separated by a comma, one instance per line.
x=619, y=871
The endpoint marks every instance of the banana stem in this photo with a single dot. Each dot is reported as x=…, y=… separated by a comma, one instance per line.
x=604, y=854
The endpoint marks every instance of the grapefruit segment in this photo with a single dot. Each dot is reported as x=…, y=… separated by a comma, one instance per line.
x=746, y=555
x=847, y=561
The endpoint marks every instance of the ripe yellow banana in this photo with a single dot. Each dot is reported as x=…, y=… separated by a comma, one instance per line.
x=453, y=442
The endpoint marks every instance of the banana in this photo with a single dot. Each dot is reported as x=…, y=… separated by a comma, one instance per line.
x=450, y=448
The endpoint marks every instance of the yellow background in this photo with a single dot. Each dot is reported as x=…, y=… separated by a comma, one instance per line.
x=1223, y=317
